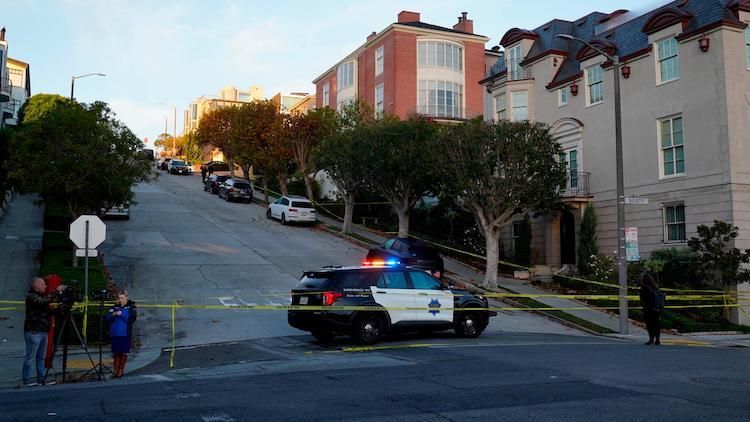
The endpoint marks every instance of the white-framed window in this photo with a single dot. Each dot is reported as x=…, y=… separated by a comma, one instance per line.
x=501, y=107
x=562, y=96
x=515, y=57
x=440, y=99
x=570, y=159
x=668, y=60
x=326, y=94
x=594, y=84
x=671, y=144
x=379, y=98
x=440, y=54
x=747, y=46
x=520, y=106
x=379, y=60
x=345, y=75
x=674, y=223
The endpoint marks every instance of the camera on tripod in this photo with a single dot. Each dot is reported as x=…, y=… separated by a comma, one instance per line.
x=69, y=296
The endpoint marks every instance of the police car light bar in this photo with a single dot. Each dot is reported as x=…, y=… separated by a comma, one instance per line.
x=380, y=263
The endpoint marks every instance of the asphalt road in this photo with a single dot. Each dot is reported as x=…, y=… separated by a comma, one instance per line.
x=183, y=244
x=524, y=377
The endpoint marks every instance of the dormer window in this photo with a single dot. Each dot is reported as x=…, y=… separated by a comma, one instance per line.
x=668, y=60
x=513, y=65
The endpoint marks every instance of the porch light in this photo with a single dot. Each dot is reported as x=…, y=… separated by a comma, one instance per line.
x=704, y=43
x=625, y=71
x=574, y=88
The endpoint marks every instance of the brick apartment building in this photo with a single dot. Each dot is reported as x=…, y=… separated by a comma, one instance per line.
x=412, y=67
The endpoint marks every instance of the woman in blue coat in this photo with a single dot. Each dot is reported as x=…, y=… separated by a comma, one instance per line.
x=121, y=316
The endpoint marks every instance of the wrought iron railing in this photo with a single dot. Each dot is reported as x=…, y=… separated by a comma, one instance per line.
x=5, y=88
x=576, y=184
x=512, y=69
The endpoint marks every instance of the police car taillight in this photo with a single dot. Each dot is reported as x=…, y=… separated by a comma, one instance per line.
x=330, y=297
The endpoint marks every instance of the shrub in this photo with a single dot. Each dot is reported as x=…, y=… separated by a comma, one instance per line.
x=587, y=247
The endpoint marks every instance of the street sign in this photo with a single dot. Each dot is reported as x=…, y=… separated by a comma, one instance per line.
x=631, y=244
x=82, y=253
x=636, y=201
x=97, y=231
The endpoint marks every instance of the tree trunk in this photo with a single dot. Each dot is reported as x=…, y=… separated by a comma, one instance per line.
x=492, y=240
x=246, y=172
x=265, y=188
x=282, y=183
x=346, y=227
x=308, y=185
x=403, y=221
x=231, y=167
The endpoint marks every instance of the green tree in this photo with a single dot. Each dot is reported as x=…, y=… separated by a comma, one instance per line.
x=522, y=253
x=398, y=162
x=77, y=155
x=305, y=131
x=340, y=154
x=587, y=246
x=721, y=262
x=497, y=171
x=4, y=184
x=261, y=141
x=216, y=129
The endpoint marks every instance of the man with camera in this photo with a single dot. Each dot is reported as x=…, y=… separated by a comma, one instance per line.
x=35, y=330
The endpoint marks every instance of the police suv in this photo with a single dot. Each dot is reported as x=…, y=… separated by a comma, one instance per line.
x=371, y=300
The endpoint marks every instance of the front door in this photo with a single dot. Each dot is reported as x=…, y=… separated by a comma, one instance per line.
x=433, y=302
x=567, y=238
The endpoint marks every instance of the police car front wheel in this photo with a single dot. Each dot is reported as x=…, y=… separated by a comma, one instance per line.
x=469, y=325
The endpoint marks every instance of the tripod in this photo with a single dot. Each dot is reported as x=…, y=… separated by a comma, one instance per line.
x=99, y=367
x=67, y=318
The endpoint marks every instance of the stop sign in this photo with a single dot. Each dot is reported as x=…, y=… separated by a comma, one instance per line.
x=97, y=231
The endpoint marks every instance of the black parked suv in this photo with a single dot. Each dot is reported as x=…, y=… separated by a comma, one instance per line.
x=411, y=252
x=213, y=182
x=393, y=299
x=236, y=190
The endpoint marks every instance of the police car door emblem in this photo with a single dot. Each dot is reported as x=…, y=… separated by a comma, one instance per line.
x=434, y=306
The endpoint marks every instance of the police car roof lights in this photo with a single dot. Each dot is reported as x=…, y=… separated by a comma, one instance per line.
x=381, y=263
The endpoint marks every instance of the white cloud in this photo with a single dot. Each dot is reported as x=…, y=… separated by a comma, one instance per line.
x=143, y=120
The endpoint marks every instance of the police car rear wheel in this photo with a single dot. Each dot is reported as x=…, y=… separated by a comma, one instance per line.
x=469, y=325
x=367, y=328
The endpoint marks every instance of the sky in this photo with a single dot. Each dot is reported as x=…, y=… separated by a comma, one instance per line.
x=171, y=52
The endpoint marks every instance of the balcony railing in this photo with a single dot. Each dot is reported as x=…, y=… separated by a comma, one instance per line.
x=576, y=184
x=444, y=113
x=512, y=69
x=5, y=88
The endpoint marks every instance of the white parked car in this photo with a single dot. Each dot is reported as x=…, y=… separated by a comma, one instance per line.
x=297, y=209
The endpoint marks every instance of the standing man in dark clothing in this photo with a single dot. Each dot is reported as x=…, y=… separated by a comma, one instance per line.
x=204, y=171
x=652, y=305
x=35, y=330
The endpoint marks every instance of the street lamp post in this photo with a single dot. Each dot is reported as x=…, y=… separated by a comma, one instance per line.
x=622, y=272
x=73, y=81
x=174, y=127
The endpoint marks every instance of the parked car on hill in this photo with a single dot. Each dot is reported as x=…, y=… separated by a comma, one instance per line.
x=236, y=190
x=213, y=182
x=164, y=164
x=213, y=166
x=292, y=208
x=408, y=251
x=179, y=167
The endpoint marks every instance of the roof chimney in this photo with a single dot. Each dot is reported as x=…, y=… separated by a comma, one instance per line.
x=464, y=24
x=372, y=35
x=406, y=16
x=2, y=34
